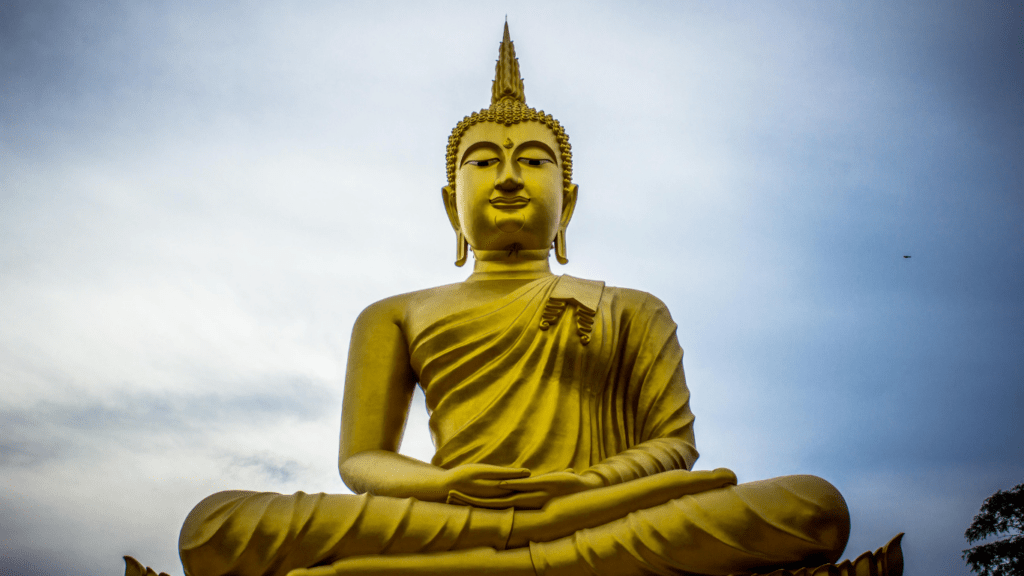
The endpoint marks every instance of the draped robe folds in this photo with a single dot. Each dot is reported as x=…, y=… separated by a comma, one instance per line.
x=501, y=390
x=560, y=374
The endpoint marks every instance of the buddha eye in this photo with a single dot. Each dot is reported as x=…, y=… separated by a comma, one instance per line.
x=483, y=163
x=534, y=161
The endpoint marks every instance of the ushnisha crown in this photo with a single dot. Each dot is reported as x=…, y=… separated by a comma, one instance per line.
x=508, y=107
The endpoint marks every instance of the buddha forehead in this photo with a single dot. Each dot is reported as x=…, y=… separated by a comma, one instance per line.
x=509, y=137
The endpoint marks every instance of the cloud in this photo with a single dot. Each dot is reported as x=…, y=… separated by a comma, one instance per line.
x=125, y=470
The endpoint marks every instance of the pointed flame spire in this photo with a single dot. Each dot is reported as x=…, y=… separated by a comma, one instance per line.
x=508, y=107
x=507, y=82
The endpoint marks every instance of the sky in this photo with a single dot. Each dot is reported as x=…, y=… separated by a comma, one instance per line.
x=198, y=198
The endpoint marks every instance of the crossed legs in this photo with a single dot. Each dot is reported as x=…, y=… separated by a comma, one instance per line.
x=671, y=523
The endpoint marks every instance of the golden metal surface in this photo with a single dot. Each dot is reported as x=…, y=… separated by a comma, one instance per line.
x=559, y=412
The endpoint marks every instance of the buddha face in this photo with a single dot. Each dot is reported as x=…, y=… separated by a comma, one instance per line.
x=508, y=190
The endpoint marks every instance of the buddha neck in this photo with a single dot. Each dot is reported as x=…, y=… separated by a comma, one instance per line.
x=500, y=265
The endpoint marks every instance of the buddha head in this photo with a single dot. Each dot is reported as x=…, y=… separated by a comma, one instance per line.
x=509, y=172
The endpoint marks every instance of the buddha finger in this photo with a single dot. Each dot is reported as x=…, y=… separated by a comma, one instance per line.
x=691, y=482
x=480, y=490
x=456, y=498
x=547, y=486
x=504, y=474
x=522, y=500
x=489, y=472
x=556, y=483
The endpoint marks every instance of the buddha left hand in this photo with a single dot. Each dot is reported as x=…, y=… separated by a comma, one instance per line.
x=533, y=492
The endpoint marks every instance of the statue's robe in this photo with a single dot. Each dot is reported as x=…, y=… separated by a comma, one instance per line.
x=560, y=374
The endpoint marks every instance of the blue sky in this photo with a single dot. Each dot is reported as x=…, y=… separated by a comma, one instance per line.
x=197, y=199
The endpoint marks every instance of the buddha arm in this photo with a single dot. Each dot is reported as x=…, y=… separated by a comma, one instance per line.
x=378, y=390
x=379, y=383
x=644, y=459
x=669, y=443
x=662, y=422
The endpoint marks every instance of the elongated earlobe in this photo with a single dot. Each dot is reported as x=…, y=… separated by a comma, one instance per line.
x=461, y=243
x=560, y=246
x=568, y=207
x=461, y=249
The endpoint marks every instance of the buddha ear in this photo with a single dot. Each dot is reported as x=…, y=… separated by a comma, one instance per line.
x=450, y=207
x=568, y=204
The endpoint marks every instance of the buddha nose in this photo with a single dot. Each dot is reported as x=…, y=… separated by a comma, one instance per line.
x=508, y=180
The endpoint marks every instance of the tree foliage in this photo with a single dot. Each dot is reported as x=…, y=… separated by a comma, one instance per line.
x=1002, y=513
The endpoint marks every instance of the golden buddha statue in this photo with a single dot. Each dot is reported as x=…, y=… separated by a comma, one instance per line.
x=558, y=409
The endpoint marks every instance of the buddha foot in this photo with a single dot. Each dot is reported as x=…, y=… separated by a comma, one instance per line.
x=886, y=561
x=133, y=567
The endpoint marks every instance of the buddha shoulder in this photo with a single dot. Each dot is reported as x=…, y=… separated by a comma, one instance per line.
x=414, y=311
x=631, y=300
x=633, y=309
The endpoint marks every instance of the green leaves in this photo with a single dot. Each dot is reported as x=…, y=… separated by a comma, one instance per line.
x=1002, y=513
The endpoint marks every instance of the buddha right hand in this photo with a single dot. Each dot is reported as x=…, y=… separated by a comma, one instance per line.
x=564, y=515
x=644, y=492
x=479, y=481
